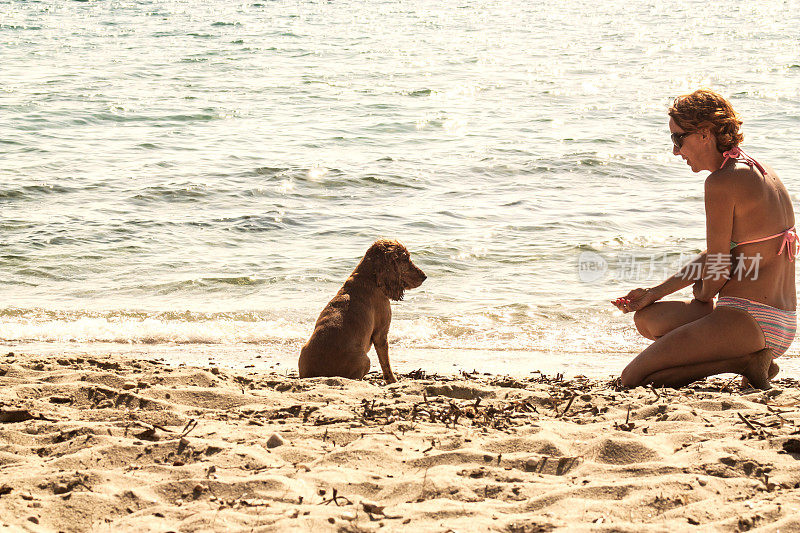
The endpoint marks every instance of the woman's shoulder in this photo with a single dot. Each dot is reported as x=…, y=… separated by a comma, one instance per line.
x=739, y=173
x=725, y=178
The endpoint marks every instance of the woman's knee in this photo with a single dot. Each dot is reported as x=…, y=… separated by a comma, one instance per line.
x=629, y=379
x=643, y=322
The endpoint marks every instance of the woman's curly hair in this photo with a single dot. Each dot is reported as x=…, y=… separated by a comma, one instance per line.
x=707, y=109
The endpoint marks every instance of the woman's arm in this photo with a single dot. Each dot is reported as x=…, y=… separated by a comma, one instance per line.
x=689, y=274
x=719, y=227
x=712, y=268
x=640, y=298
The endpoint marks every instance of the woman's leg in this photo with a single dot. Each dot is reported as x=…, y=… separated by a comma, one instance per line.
x=756, y=365
x=659, y=318
x=771, y=373
x=725, y=334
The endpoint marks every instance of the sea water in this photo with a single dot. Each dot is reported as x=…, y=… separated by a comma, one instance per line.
x=194, y=180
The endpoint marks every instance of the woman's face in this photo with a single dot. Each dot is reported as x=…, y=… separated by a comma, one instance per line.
x=692, y=146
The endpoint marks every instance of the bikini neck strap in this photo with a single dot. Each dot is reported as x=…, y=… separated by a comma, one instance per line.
x=737, y=154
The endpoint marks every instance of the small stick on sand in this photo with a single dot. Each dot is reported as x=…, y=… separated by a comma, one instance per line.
x=726, y=387
x=655, y=391
x=746, y=421
x=422, y=488
x=569, y=404
x=335, y=499
x=189, y=427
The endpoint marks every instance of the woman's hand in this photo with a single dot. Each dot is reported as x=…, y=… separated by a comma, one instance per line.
x=697, y=292
x=697, y=289
x=635, y=300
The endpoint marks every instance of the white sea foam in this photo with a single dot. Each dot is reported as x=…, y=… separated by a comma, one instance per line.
x=152, y=331
x=477, y=332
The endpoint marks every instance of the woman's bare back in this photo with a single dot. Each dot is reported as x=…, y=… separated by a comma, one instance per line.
x=762, y=208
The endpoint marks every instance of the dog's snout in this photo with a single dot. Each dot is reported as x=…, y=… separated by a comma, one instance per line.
x=417, y=277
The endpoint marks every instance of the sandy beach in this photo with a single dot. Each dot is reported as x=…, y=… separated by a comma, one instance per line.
x=111, y=444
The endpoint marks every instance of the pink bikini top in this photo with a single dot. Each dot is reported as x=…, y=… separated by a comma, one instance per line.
x=790, y=242
x=790, y=239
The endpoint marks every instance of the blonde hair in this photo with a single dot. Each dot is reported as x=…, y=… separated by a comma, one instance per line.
x=706, y=109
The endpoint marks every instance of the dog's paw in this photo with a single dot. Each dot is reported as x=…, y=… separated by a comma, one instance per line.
x=390, y=379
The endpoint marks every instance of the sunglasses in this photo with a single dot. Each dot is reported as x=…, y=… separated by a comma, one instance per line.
x=678, y=138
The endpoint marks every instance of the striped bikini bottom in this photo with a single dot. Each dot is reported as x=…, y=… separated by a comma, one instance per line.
x=778, y=325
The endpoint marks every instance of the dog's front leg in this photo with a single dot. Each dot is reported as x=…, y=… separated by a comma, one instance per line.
x=381, y=343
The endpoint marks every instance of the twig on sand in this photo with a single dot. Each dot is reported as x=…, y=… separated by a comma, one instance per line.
x=157, y=426
x=627, y=426
x=335, y=499
x=189, y=427
x=392, y=433
x=759, y=424
x=767, y=484
x=422, y=488
x=655, y=391
x=569, y=404
x=553, y=401
x=726, y=387
x=746, y=421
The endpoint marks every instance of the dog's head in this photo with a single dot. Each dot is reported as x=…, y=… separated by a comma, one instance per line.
x=394, y=271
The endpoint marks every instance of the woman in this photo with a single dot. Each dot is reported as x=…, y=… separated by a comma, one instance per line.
x=749, y=263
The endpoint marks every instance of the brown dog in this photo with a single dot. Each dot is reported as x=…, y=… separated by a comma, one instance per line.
x=359, y=315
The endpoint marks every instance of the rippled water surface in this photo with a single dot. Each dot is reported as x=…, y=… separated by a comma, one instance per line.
x=210, y=172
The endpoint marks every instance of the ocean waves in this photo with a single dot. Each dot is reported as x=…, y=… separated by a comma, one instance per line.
x=501, y=331
x=214, y=157
x=141, y=328
x=33, y=191
x=541, y=331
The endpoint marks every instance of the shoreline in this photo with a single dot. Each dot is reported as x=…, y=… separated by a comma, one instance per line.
x=443, y=361
x=139, y=445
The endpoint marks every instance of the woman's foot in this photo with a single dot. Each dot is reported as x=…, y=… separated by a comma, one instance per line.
x=771, y=373
x=757, y=370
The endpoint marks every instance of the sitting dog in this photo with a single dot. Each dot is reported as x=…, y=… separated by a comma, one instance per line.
x=359, y=315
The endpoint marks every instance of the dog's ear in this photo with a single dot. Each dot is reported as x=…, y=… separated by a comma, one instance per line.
x=388, y=274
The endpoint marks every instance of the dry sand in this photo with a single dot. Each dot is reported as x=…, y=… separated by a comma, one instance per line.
x=110, y=444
